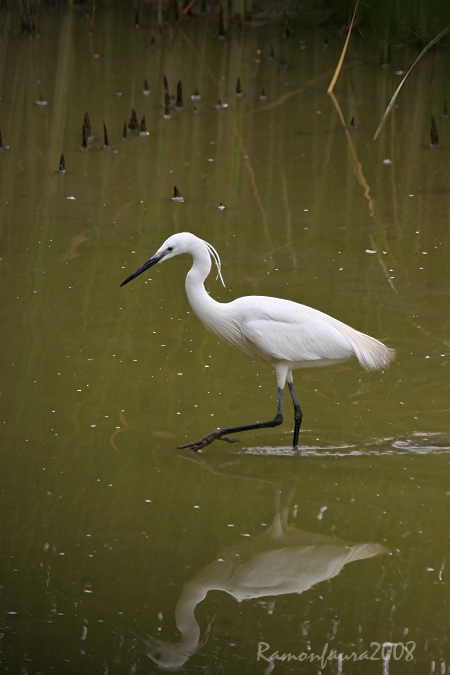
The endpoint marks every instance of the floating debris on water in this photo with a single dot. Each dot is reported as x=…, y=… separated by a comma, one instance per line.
x=143, y=130
x=387, y=161
x=87, y=124
x=3, y=147
x=352, y=126
x=263, y=96
x=84, y=142
x=106, y=145
x=146, y=91
x=133, y=124
x=41, y=101
x=444, y=113
x=434, y=133
x=179, y=101
x=177, y=195
x=195, y=96
x=167, y=115
x=221, y=206
x=238, y=87
x=62, y=165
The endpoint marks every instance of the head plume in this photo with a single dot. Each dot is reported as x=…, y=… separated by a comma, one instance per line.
x=215, y=256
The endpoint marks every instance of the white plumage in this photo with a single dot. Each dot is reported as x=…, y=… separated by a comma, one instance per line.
x=281, y=332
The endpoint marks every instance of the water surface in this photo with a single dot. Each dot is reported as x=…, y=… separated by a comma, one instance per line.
x=121, y=553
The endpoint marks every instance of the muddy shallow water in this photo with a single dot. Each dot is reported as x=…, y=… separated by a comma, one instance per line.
x=121, y=553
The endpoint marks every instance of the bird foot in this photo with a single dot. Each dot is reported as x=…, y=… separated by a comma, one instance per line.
x=207, y=440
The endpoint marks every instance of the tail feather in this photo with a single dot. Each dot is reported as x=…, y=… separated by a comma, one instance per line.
x=371, y=353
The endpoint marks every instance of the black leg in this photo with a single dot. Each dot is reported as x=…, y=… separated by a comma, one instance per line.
x=298, y=415
x=221, y=434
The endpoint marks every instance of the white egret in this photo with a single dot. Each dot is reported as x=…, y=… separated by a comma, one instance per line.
x=280, y=332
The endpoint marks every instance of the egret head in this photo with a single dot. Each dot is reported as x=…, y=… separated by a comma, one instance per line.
x=174, y=655
x=183, y=242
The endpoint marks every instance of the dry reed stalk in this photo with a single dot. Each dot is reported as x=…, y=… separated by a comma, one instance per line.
x=343, y=53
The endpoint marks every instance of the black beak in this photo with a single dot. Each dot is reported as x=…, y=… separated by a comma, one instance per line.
x=156, y=258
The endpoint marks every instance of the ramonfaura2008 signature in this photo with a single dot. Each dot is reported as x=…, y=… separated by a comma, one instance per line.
x=379, y=651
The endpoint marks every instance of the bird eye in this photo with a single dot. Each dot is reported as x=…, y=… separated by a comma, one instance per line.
x=170, y=248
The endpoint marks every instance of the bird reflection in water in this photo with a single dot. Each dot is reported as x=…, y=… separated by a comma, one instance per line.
x=278, y=561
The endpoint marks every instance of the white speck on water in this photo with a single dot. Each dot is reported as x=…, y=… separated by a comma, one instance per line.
x=321, y=512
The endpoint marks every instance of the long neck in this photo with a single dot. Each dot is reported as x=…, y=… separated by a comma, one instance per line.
x=186, y=622
x=175, y=654
x=201, y=302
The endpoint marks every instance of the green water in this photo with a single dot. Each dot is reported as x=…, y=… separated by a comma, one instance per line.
x=120, y=552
